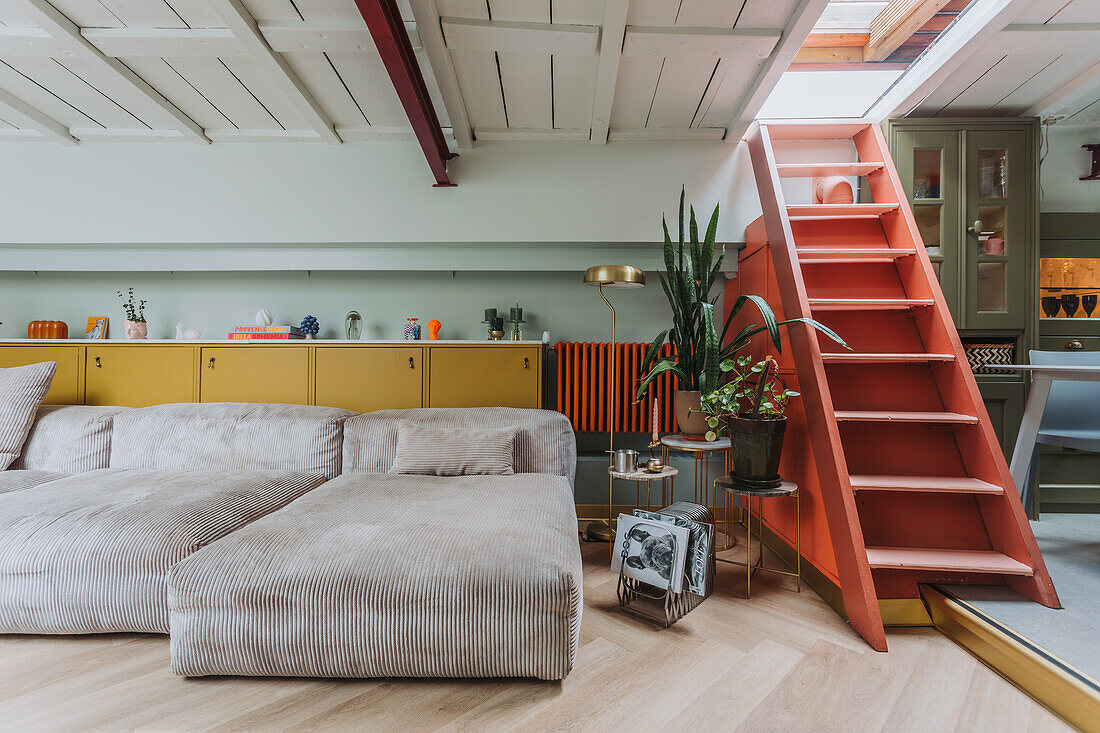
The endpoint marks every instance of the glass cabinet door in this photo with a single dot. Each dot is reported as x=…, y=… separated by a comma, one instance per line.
x=928, y=164
x=995, y=236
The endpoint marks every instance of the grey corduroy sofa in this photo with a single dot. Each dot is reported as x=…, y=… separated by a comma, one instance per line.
x=271, y=540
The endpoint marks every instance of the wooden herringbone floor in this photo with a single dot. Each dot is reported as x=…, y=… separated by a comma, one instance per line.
x=778, y=662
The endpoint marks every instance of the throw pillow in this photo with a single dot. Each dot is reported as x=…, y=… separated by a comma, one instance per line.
x=454, y=451
x=21, y=392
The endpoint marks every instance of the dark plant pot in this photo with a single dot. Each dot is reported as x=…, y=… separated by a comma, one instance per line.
x=692, y=422
x=757, y=447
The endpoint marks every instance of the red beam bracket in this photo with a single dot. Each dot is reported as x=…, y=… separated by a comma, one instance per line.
x=388, y=31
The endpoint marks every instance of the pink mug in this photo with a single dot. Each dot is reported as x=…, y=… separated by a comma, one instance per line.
x=995, y=246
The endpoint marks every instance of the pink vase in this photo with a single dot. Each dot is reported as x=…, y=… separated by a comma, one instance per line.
x=136, y=329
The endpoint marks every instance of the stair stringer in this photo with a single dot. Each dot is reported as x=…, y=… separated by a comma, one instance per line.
x=856, y=582
x=1003, y=515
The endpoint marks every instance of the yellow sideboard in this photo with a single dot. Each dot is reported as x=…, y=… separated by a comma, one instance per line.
x=359, y=376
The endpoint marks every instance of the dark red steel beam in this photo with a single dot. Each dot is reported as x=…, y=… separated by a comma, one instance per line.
x=388, y=30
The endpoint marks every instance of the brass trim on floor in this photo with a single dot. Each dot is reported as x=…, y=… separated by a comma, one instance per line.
x=1064, y=690
x=904, y=612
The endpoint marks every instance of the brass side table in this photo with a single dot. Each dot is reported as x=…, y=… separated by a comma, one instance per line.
x=785, y=489
x=705, y=491
x=666, y=476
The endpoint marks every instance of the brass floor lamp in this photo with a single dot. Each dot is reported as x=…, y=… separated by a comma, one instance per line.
x=610, y=276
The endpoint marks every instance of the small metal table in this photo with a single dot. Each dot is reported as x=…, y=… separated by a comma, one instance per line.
x=705, y=492
x=665, y=476
x=787, y=489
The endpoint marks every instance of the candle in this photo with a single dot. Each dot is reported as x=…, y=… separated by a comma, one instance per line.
x=490, y=314
x=656, y=421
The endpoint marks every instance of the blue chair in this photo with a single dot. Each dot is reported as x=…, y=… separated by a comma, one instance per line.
x=1072, y=415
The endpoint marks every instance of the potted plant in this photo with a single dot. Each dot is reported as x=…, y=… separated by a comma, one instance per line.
x=698, y=349
x=135, y=326
x=750, y=408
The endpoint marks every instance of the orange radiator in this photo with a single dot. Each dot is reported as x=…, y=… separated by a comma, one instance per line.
x=584, y=380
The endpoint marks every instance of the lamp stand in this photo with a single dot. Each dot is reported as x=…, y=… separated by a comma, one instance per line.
x=604, y=530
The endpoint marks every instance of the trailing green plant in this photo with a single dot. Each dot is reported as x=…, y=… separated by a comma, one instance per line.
x=698, y=347
x=751, y=392
x=135, y=313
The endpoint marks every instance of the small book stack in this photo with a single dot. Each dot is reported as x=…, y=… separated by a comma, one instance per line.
x=265, y=333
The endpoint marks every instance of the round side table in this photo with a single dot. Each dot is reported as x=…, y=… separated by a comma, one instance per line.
x=785, y=489
x=705, y=491
x=665, y=476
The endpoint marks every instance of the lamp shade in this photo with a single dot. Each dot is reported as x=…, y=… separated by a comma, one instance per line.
x=614, y=276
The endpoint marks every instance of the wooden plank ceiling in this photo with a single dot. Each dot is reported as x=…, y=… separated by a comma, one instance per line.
x=307, y=70
x=1046, y=63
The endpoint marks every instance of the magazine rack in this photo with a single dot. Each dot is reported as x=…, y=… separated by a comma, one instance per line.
x=661, y=605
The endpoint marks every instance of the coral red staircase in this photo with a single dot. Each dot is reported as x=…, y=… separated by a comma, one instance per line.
x=911, y=475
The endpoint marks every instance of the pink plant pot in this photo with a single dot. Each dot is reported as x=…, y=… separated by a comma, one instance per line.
x=136, y=329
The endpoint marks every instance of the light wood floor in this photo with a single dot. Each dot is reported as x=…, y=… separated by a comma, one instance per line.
x=780, y=661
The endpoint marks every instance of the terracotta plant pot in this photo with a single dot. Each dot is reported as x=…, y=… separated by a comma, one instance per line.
x=136, y=329
x=693, y=424
x=757, y=447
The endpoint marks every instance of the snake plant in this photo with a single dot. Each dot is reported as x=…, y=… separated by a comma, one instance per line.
x=698, y=347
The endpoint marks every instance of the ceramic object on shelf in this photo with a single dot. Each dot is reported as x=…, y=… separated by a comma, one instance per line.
x=412, y=329
x=263, y=317
x=433, y=329
x=832, y=190
x=190, y=334
x=47, y=330
x=310, y=327
x=353, y=326
x=135, y=330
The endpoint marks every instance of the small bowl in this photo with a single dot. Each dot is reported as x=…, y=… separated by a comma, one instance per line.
x=654, y=465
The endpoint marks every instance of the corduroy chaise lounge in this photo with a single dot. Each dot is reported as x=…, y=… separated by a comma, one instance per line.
x=270, y=540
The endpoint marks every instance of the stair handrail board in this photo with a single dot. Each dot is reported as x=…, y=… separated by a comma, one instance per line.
x=1006, y=523
x=856, y=580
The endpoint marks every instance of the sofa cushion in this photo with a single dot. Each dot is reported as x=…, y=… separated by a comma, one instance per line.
x=91, y=553
x=230, y=435
x=389, y=575
x=545, y=442
x=21, y=392
x=17, y=480
x=69, y=439
x=449, y=452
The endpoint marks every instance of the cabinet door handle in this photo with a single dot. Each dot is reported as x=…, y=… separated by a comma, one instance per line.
x=1075, y=345
x=977, y=229
x=98, y=363
x=411, y=363
x=526, y=362
x=210, y=364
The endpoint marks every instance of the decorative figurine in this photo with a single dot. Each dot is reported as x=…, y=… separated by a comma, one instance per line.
x=263, y=317
x=191, y=334
x=496, y=328
x=433, y=329
x=310, y=327
x=353, y=325
x=412, y=329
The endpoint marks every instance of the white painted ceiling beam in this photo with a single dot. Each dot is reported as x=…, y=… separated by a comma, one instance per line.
x=1071, y=96
x=243, y=26
x=1065, y=38
x=166, y=42
x=159, y=109
x=970, y=32
x=288, y=37
x=607, y=68
x=442, y=65
x=795, y=33
x=700, y=42
x=520, y=37
x=25, y=117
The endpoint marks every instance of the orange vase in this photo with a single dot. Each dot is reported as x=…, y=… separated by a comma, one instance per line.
x=47, y=330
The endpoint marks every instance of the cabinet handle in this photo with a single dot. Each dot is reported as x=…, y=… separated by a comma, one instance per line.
x=210, y=364
x=411, y=363
x=526, y=362
x=1075, y=345
x=98, y=364
x=977, y=229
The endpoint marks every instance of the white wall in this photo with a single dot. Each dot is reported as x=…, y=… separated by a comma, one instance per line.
x=364, y=192
x=1063, y=166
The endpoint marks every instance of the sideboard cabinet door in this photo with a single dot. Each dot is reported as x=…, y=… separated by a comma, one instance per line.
x=139, y=376
x=479, y=376
x=276, y=374
x=65, y=388
x=364, y=379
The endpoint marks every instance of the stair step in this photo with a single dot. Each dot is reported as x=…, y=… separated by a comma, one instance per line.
x=838, y=211
x=925, y=484
x=868, y=304
x=851, y=254
x=943, y=418
x=809, y=170
x=953, y=561
x=840, y=129
x=847, y=357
